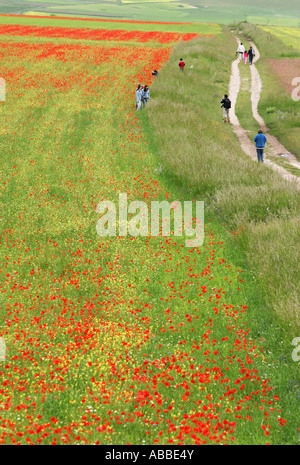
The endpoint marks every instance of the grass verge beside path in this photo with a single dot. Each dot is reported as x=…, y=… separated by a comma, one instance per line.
x=280, y=112
x=201, y=153
x=260, y=209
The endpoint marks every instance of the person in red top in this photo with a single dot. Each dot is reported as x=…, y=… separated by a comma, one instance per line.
x=181, y=64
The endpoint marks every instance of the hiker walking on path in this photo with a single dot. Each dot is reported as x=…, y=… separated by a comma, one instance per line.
x=260, y=142
x=245, y=57
x=138, y=96
x=251, y=55
x=181, y=64
x=226, y=105
x=241, y=49
x=145, y=95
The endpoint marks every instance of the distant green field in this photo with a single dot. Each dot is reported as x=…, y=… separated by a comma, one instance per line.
x=289, y=36
x=198, y=28
x=269, y=12
x=274, y=21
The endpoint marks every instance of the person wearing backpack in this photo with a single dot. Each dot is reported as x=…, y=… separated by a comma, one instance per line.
x=251, y=55
x=226, y=105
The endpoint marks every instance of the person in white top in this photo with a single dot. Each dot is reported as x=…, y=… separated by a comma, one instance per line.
x=138, y=94
x=241, y=50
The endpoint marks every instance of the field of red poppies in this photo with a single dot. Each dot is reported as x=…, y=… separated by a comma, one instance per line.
x=126, y=340
x=95, y=34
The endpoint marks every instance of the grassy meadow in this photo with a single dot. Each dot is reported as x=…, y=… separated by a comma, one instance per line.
x=287, y=35
x=129, y=339
x=111, y=25
x=259, y=208
x=237, y=187
x=272, y=12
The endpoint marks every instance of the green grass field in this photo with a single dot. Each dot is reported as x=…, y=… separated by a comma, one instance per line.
x=99, y=330
x=287, y=35
x=237, y=191
x=272, y=12
x=197, y=28
x=140, y=340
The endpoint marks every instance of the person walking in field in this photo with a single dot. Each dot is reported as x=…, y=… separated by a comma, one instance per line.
x=245, y=57
x=251, y=55
x=181, y=64
x=142, y=98
x=145, y=95
x=138, y=96
x=226, y=105
x=241, y=49
x=260, y=143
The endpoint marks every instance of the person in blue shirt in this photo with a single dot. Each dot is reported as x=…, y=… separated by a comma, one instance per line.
x=260, y=143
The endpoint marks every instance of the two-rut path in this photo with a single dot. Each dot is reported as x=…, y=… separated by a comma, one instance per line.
x=275, y=148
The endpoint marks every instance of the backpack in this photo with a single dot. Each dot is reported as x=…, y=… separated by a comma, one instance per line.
x=227, y=103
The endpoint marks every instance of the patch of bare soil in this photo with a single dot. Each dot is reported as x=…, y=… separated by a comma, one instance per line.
x=286, y=69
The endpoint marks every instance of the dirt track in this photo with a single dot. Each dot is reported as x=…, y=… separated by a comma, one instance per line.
x=275, y=148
